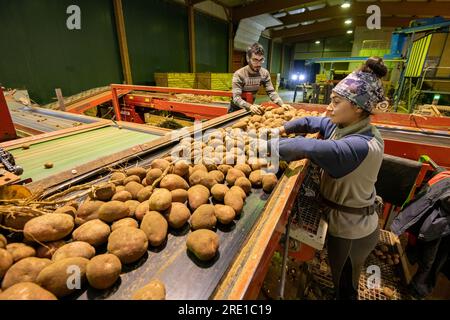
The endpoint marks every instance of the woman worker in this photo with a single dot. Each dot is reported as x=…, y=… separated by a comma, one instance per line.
x=350, y=157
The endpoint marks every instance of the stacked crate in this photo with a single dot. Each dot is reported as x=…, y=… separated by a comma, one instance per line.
x=275, y=77
x=214, y=81
x=175, y=80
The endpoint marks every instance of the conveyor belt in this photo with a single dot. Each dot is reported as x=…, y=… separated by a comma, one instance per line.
x=435, y=138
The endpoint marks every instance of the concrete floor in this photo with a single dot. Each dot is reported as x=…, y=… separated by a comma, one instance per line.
x=286, y=95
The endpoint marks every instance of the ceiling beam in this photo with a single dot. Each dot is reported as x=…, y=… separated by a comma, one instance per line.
x=194, y=2
x=265, y=6
x=316, y=36
x=337, y=23
x=359, y=9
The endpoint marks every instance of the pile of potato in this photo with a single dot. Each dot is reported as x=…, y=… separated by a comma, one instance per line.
x=386, y=254
x=134, y=211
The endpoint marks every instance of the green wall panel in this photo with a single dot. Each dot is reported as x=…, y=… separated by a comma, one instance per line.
x=211, y=44
x=287, y=61
x=158, y=39
x=276, y=59
x=39, y=53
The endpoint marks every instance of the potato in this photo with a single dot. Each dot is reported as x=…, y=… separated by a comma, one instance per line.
x=128, y=244
x=244, y=183
x=136, y=171
x=234, y=200
x=179, y=195
x=154, y=290
x=224, y=214
x=197, y=176
x=132, y=206
x=233, y=174
x=125, y=222
x=144, y=193
x=217, y=175
x=160, y=200
x=218, y=192
x=152, y=175
x=3, y=241
x=269, y=181
x=172, y=182
x=240, y=191
x=256, y=178
x=178, y=214
x=18, y=220
x=103, y=192
x=388, y=292
x=155, y=227
x=88, y=211
x=208, y=182
x=122, y=196
x=245, y=168
x=48, y=251
x=113, y=210
x=199, y=166
x=26, y=291
x=48, y=227
x=71, y=211
x=203, y=243
x=141, y=210
x=74, y=249
x=160, y=164
x=6, y=261
x=384, y=248
x=25, y=270
x=224, y=168
x=198, y=195
x=56, y=277
x=258, y=163
x=103, y=270
x=203, y=217
x=181, y=168
x=117, y=178
x=129, y=179
x=95, y=232
x=119, y=188
x=133, y=188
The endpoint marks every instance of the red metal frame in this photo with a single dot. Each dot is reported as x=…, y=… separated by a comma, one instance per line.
x=7, y=130
x=91, y=102
x=191, y=109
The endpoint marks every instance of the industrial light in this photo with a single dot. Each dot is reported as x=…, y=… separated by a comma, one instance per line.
x=348, y=21
x=345, y=5
x=301, y=77
x=349, y=31
x=294, y=77
x=317, y=42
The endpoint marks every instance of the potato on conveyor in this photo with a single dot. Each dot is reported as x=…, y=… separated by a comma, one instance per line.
x=6, y=261
x=160, y=164
x=224, y=214
x=17, y=221
x=113, y=210
x=244, y=184
x=122, y=196
x=129, y=179
x=234, y=200
x=103, y=192
x=155, y=227
x=120, y=188
x=48, y=227
x=256, y=178
x=74, y=249
x=208, y=181
x=198, y=195
x=25, y=270
x=245, y=168
x=136, y=171
x=197, y=176
x=152, y=175
x=141, y=210
x=88, y=210
x=199, y=166
x=179, y=195
x=3, y=241
x=133, y=188
x=217, y=175
x=218, y=192
x=67, y=210
x=56, y=277
x=132, y=206
x=269, y=181
x=125, y=222
x=144, y=193
x=128, y=244
x=233, y=174
x=240, y=191
x=160, y=200
x=177, y=215
x=224, y=168
x=26, y=291
x=95, y=232
x=49, y=249
x=181, y=168
x=203, y=243
x=117, y=178
x=154, y=290
x=203, y=217
x=103, y=270
x=172, y=182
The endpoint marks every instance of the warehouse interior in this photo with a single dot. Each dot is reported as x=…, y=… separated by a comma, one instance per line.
x=135, y=146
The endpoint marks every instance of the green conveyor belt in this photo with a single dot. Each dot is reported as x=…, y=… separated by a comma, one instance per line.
x=68, y=152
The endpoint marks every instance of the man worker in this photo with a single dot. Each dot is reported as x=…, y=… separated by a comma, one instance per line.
x=249, y=78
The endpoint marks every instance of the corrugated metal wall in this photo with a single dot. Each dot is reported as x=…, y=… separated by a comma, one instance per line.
x=39, y=53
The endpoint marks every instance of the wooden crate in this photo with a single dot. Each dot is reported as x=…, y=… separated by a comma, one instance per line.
x=214, y=81
x=275, y=77
x=175, y=80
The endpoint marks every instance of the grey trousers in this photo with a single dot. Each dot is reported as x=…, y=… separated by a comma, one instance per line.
x=346, y=258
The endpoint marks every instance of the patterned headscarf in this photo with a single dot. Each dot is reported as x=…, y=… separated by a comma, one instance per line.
x=362, y=88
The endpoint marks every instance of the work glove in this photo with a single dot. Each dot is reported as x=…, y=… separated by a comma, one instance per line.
x=256, y=109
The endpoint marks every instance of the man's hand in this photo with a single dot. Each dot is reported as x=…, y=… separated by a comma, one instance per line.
x=255, y=109
x=286, y=106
